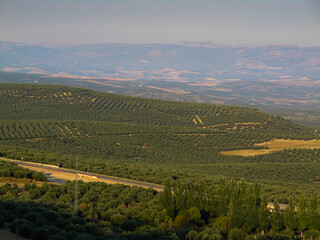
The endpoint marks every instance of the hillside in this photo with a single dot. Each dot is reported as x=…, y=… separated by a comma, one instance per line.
x=152, y=140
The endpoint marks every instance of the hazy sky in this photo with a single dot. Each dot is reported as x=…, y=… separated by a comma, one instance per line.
x=161, y=21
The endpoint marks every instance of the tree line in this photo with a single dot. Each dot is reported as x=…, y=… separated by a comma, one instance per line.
x=9, y=169
x=229, y=210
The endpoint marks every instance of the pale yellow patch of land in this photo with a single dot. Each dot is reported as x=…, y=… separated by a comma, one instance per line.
x=204, y=84
x=222, y=89
x=168, y=90
x=231, y=124
x=65, y=75
x=10, y=69
x=290, y=101
x=280, y=144
x=248, y=152
x=274, y=146
x=103, y=83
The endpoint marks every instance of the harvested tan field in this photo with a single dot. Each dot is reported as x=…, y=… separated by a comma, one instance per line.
x=222, y=89
x=275, y=145
x=287, y=143
x=248, y=152
x=102, y=83
x=168, y=90
x=205, y=84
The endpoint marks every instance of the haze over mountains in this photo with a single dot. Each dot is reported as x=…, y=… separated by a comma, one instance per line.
x=189, y=61
x=259, y=76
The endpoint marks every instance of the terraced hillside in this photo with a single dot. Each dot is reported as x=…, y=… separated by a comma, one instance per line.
x=152, y=140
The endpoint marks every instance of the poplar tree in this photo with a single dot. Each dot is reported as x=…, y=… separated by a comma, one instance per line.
x=264, y=216
x=314, y=213
x=251, y=220
x=290, y=219
x=277, y=218
x=302, y=215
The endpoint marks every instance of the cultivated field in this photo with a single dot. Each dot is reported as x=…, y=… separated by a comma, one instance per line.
x=275, y=145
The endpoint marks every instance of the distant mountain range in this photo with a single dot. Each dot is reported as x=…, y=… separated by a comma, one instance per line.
x=259, y=76
x=192, y=62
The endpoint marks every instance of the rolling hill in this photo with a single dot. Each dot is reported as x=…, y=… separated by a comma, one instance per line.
x=152, y=140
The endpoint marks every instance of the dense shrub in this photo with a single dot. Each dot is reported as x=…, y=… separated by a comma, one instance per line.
x=237, y=234
x=40, y=233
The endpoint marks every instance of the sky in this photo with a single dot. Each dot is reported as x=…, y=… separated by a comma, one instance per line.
x=248, y=22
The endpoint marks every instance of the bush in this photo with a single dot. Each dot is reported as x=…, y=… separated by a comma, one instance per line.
x=169, y=236
x=281, y=236
x=50, y=215
x=61, y=222
x=129, y=225
x=262, y=237
x=117, y=219
x=38, y=176
x=1, y=221
x=250, y=237
x=77, y=220
x=56, y=237
x=27, y=186
x=311, y=234
x=25, y=229
x=20, y=174
x=8, y=216
x=141, y=236
x=192, y=235
x=5, y=173
x=180, y=221
x=14, y=226
x=237, y=234
x=76, y=228
x=40, y=233
x=33, y=216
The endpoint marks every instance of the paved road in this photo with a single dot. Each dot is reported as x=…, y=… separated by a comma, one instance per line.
x=56, y=174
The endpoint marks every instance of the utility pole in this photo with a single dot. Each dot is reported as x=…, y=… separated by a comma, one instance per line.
x=76, y=190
